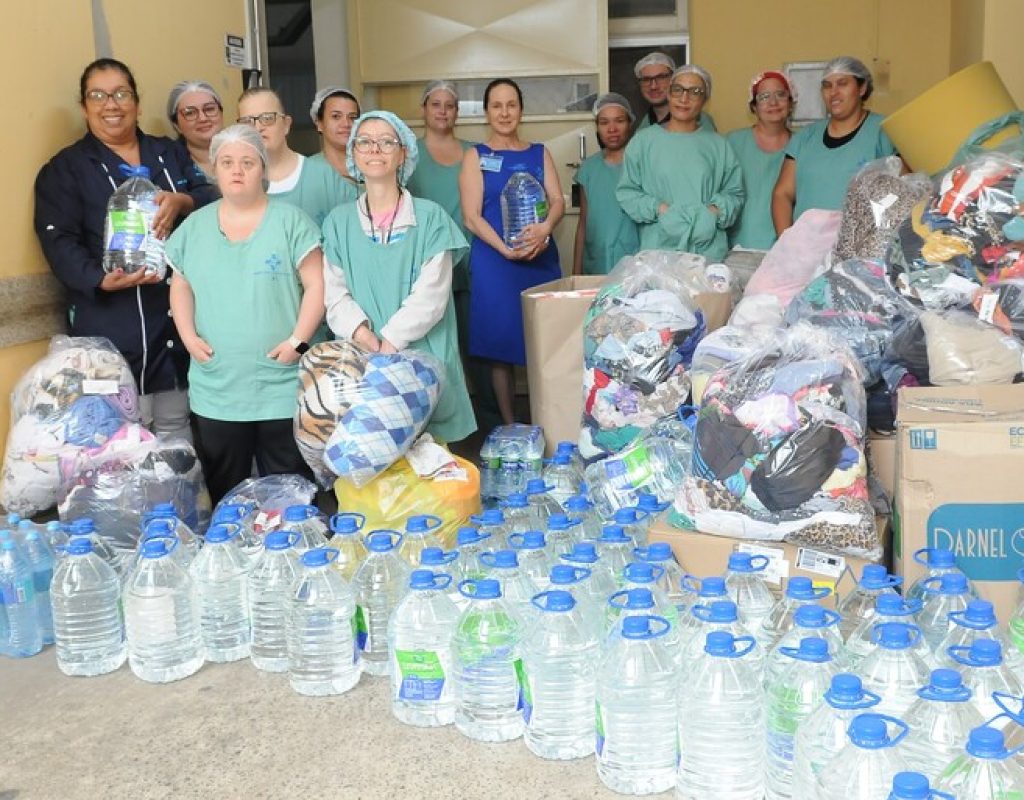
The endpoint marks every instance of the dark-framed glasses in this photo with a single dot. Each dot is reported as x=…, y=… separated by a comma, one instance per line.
x=208, y=110
x=264, y=120
x=364, y=144
x=681, y=91
x=99, y=97
x=661, y=77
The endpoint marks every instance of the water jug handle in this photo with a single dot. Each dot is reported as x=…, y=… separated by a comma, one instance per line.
x=701, y=612
x=487, y=557
x=336, y=520
x=690, y=583
x=449, y=557
x=739, y=652
x=913, y=604
x=904, y=729
x=641, y=514
x=870, y=699
x=477, y=519
x=1002, y=699
x=293, y=538
x=960, y=618
x=539, y=600
x=657, y=570
x=641, y=553
x=894, y=580
x=176, y=541
x=432, y=520
x=954, y=652
x=614, y=603
x=442, y=580
x=820, y=592
x=764, y=561
x=926, y=584
x=918, y=555
x=831, y=618
x=466, y=583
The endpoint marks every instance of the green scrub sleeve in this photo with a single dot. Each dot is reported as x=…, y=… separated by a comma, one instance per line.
x=640, y=206
x=729, y=199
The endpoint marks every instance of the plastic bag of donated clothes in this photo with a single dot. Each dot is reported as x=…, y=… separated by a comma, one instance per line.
x=964, y=350
x=638, y=338
x=427, y=480
x=266, y=499
x=1002, y=304
x=360, y=412
x=724, y=346
x=77, y=396
x=779, y=449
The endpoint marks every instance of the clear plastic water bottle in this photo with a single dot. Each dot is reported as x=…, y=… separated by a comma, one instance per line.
x=188, y=541
x=718, y=615
x=601, y=584
x=561, y=534
x=986, y=673
x=635, y=524
x=129, y=240
x=40, y=559
x=523, y=203
x=438, y=561
x=538, y=495
x=573, y=451
x=323, y=658
x=652, y=466
x=940, y=721
x=17, y=591
x=895, y=671
x=986, y=771
x=700, y=591
x=486, y=665
x=942, y=595
x=615, y=549
x=379, y=584
x=865, y=768
x=220, y=574
x=799, y=591
x=558, y=678
x=241, y=515
x=510, y=455
x=789, y=701
x=348, y=541
x=670, y=580
x=305, y=520
x=574, y=580
x=159, y=527
x=914, y=786
x=977, y=621
x=648, y=575
x=519, y=514
x=721, y=711
x=420, y=635
x=421, y=530
x=637, y=742
x=161, y=616
x=84, y=526
x=744, y=581
x=581, y=510
x=888, y=608
x=491, y=522
x=859, y=605
x=641, y=584
x=57, y=537
x=471, y=543
x=823, y=734
x=938, y=561
x=516, y=587
x=270, y=584
x=563, y=477
x=531, y=552
x=87, y=624
x=809, y=620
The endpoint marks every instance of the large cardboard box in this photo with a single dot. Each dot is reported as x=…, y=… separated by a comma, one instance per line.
x=553, y=315
x=704, y=554
x=960, y=459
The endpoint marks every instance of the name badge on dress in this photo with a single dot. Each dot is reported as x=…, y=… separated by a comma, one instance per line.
x=491, y=163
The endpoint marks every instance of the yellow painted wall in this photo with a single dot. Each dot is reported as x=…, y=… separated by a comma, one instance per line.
x=967, y=33
x=1002, y=43
x=736, y=40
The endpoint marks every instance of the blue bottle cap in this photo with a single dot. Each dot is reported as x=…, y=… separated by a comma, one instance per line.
x=532, y=540
x=953, y=583
x=217, y=533
x=986, y=652
x=566, y=575
x=8, y=544
x=649, y=503
x=560, y=522
x=800, y=588
x=894, y=635
x=300, y=513
x=868, y=731
x=846, y=687
x=722, y=612
x=504, y=559
x=809, y=616
x=422, y=579
x=910, y=786
x=638, y=599
x=422, y=523
x=516, y=500
x=436, y=557
x=712, y=586
x=319, y=556
x=493, y=516
x=635, y=627
x=161, y=526
x=276, y=540
x=83, y=525
x=613, y=534
x=26, y=525
x=939, y=558
x=578, y=504
x=562, y=459
x=945, y=686
x=230, y=512
x=536, y=486
x=876, y=576
x=892, y=605
x=486, y=589
x=381, y=541
x=155, y=548
x=980, y=614
x=719, y=643
x=658, y=551
x=639, y=572
x=626, y=516
x=567, y=448
x=583, y=553
x=811, y=649
x=346, y=523
x=985, y=742
x=556, y=600
x=13, y=518
x=53, y=526
x=470, y=536
x=78, y=547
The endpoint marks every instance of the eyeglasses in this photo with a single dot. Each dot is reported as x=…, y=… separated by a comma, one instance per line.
x=208, y=110
x=781, y=95
x=681, y=91
x=264, y=120
x=364, y=144
x=661, y=77
x=120, y=96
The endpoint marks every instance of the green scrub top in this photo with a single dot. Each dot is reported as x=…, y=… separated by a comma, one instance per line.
x=247, y=298
x=440, y=183
x=320, y=189
x=610, y=234
x=707, y=122
x=754, y=228
x=381, y=276
x=822, y=173
x=689, y=171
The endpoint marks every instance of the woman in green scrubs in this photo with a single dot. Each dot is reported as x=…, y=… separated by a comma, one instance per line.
x=680, y=182
x=310, y=184
x=334, y=110
x=760, y=150
x=389, y=255
x=247, y=295
x=604, y=233
x=822, y=158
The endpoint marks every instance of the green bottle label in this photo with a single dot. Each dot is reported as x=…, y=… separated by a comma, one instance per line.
x=599, y=727
x=525, y=701
x=362, y=631
x=422, y=675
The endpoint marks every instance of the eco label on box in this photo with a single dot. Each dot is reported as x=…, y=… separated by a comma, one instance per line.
x=987, y=538
x=924, y=439
x=778, y=566
x=823, y=563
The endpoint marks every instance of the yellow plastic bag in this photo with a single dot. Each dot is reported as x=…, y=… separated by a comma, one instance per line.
x=398, y=493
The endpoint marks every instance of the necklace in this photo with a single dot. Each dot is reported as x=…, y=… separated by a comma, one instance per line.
x=385, y=238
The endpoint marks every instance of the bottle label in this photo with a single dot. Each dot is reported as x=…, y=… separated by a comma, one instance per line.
x=422, y=674
x=127, y=230
x=783, y=719
x=1017, y=632
x=525, y=700
x=599, y=728
x=16, y=594
x=363, y=642
x=630, y=471
x=541, y=209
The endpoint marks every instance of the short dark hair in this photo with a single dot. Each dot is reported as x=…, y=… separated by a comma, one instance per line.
x=339, y=93
x=503, y=82
x=102, y=64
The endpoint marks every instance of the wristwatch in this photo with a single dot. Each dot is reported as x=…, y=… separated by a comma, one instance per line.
x=298, y=345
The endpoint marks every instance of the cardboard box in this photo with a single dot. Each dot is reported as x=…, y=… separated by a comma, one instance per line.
x=960, y=456
x=704, y=554
x=881, y=452
x=553, y=315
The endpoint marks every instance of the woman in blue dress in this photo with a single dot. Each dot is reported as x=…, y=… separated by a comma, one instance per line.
x=499, y=273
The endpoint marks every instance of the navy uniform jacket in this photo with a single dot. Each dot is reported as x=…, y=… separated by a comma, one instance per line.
x=71, y=195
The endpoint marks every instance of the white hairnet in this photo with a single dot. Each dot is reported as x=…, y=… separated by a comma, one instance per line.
x=700, y=72
x=848, y=65
x=321, y=97
x=651, y=59
x=184, y=87
x=439, y=86
x=613, y=99
x=405, y=136
x=247, y=134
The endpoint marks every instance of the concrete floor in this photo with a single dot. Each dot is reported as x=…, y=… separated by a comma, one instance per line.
x=232, y=731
